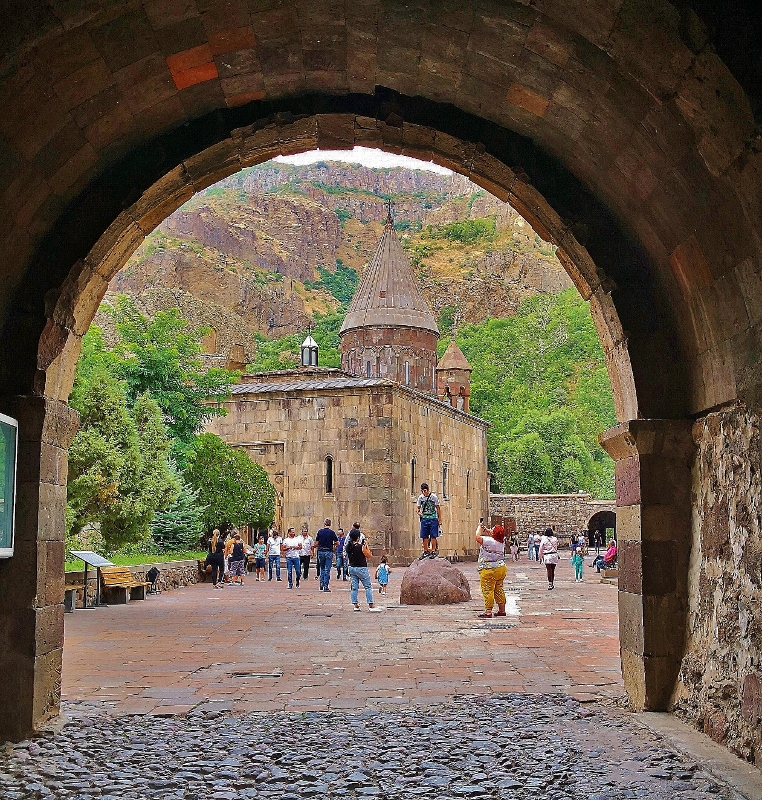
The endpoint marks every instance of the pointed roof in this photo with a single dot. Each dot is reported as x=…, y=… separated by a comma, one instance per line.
x=388, y=294
x=453, y=358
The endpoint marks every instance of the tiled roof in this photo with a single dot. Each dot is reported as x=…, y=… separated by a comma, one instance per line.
x=388, y=294
x=296, y=386
x=453, y=358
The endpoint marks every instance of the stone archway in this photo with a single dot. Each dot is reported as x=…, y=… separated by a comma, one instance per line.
x=616, y=129
x=599, y=523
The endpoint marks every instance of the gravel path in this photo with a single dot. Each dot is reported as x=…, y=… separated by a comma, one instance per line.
x=513, y=747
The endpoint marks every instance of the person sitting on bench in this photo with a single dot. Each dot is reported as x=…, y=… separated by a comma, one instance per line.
x=608, y=559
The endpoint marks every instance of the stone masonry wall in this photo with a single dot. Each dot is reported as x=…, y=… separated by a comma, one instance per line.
x=372, y=434
x=720, y=682
x=533, y=513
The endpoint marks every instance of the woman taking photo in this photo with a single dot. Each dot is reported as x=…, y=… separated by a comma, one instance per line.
x=491, y=568
x=548, y=554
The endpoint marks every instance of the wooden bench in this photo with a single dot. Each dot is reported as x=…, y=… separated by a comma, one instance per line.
x=120, y=586
x=70, y=596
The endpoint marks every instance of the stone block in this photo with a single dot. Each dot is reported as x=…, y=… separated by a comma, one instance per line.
x=47, y=685
x=79, y=298
x=335, y=131
x=631, y=635
x=629, y=523
x=162, y=198
x=627, y=481
x=213, y=164
x=120, y=240
x=631, y=566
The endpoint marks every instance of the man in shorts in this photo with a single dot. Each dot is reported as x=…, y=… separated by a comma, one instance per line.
x=427, y=506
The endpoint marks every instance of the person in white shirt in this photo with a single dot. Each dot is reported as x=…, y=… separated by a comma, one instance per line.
x=291, y=548
x=549, y=554
x=274, y=541
x=304, y=557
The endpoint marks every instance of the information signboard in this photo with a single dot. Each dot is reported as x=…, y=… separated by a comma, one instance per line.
x=8, y=446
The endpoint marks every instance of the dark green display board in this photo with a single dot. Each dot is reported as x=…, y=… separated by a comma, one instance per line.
x=8, y=448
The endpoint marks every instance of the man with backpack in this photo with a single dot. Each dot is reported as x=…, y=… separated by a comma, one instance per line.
x=427, y=506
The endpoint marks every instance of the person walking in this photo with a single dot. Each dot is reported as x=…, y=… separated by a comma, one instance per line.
x=382, y=575
x=260, y=552
x=326, y=539
x=292, y=548
x=427, y=506
x=274, y=543
x=216, y=558
x=530, y=547
x=358, y=554
x=491, y=566
x=548, y=552
x=237, y=561
x=577, y=560
x=537, y=542
x=306, y=552
x=515, y=546
x=341, y=559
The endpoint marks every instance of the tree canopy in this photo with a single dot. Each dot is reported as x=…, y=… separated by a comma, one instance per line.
x=231, y=487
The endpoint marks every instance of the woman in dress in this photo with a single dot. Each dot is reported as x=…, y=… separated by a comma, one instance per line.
x=491, y=568
x=548, y=554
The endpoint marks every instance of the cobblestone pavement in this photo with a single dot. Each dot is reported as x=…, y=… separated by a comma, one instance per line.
x=264, y=692
x=514, y=746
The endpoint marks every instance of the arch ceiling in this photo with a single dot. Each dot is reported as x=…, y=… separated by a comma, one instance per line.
x=614, y=126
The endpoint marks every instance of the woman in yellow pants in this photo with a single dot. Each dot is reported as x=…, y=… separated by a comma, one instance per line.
x=491, y=567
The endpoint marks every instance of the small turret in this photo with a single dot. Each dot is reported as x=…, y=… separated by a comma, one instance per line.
x=454, y=378
x=309, y=352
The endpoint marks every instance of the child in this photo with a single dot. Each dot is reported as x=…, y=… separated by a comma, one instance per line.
x=577, y=560
x=382, y=575
x=260, y=548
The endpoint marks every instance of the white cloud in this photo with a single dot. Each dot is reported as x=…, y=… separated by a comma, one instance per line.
x=366, y=156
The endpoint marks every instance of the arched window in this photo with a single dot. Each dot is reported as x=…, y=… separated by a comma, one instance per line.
x=407, y=373
x=328, y=475
x=412, y=476
x=367, y=369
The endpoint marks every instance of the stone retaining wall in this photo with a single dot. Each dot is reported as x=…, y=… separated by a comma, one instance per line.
x=533, y=513
x=172, y=575
x=720, y=683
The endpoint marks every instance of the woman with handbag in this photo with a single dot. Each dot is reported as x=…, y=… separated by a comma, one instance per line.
x=358, y=554
x=548, y=554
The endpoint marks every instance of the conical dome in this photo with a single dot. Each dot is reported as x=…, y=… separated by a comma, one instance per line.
x=453, y=359
x=388, y=295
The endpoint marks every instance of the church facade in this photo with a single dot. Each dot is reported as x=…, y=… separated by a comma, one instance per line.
x=354, y=444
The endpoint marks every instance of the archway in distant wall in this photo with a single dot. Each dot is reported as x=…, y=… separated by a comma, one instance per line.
x=601, y=522
x=618, y=133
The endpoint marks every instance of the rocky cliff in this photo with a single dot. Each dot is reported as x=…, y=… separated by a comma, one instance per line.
x=247, y=256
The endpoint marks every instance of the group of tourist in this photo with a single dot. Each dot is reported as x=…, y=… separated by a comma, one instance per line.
x=226, y=559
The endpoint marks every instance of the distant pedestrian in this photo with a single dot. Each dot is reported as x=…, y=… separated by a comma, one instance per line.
x=306, y=553
x=358, y=554
x=597, y=542
x=608, y=559
x=578, y=561
x=348, y=540
x=515, y=546
x=341, y=557
x=274, y=542
x=491, y=566
x=292, y=548
x=548, y=552
x=260, y=551
x=382, y=575
x=427, y=506
x=237, y=561
x=326, y=539
x=530, y=547
x=537, y=542
x=216, y=558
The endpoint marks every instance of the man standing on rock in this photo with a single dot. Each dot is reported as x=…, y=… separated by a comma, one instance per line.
x=427, y=506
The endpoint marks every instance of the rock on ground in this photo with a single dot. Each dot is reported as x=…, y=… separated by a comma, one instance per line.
x=434, y=582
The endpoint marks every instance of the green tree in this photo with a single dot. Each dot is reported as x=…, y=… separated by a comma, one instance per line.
x=524, y=466
x=232, y=488
x=118, y=471
x=180, y=526
x=160, y=356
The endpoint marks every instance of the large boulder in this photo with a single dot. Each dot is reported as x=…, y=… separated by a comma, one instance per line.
x=434, y=582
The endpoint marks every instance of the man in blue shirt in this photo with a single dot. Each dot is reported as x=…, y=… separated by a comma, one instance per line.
x=326, y=540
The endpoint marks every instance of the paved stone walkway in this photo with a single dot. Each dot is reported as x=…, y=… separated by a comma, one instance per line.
x=262, y=692
x=263, y=647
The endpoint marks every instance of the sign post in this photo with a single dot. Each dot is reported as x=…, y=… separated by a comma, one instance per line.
x=94, y=560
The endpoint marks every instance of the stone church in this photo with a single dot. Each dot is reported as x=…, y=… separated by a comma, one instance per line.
x=354, y=444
